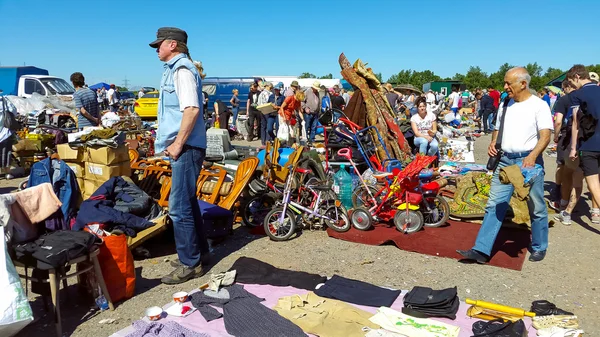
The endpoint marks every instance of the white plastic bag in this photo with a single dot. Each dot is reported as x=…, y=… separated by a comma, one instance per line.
x=15, y=311
x=283, y=133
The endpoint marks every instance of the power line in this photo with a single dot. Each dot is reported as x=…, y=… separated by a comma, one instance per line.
x=126, y=82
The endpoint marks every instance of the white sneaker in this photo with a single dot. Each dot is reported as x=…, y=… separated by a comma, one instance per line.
x=564, y=218
x=596, y=218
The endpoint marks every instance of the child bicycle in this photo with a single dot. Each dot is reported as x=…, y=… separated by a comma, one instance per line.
x=315, y=206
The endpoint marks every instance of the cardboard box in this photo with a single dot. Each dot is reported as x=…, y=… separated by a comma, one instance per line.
x=102, y=173
x=106, y=155
x=90, y=186
x=78, y=168
x=81, y=184
x=65, y=152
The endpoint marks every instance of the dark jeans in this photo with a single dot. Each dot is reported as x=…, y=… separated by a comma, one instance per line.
x=485, y=120
x=311, y=126
x=252, y=116
x=263, y=128
x=272, y=126
x=190, y=235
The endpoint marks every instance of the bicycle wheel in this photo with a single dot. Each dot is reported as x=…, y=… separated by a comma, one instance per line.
x=254, y=212
x=337, y=219
x=280, y=231
x=436, y=211
x=408, y=223
x=361, y=196
x=361, y=218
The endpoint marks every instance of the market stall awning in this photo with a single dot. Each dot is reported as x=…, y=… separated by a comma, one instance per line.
x=100, y=85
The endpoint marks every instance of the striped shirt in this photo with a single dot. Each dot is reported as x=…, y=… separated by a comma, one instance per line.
x=86, y=98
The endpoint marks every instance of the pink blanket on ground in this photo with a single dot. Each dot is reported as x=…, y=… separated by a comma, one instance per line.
x=271, y=294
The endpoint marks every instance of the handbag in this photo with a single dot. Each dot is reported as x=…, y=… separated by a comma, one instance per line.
x=422, y=302
x=493, y=162
x=587, y=123
x=499, y=328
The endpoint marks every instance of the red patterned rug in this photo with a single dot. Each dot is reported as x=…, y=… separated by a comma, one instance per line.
x=509, y=251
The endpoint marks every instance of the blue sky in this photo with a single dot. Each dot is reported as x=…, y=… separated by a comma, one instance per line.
x=108, y=40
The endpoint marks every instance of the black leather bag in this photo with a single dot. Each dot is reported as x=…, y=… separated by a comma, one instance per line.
x=493, y=162
x=587, y=123
x=425, y=302
x=499, y=328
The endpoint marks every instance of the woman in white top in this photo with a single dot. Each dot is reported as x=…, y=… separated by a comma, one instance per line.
x=424, y=126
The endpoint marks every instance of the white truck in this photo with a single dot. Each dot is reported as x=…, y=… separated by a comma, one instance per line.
x=24, y=81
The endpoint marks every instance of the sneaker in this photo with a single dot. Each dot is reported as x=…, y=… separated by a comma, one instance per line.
x=564, y=218
x=182, y=274
x=555, y=205
x=204, y=258
x=596, y=218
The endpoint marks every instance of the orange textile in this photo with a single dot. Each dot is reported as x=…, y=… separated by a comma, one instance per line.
x=291, y=105
x=117, y=267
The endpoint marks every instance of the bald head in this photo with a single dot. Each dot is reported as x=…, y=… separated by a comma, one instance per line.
x=516, y=83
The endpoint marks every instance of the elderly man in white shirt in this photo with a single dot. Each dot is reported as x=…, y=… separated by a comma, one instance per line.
x=526, y=133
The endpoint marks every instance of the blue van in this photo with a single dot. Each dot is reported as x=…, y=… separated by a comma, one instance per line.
x=222, y=87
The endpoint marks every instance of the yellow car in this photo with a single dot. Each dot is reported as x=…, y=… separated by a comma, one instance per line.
x=147, y=106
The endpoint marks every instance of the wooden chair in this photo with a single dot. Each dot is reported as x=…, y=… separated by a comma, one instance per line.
x=55, y=278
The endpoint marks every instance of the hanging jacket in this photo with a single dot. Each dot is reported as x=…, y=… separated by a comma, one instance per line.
x=63, y=180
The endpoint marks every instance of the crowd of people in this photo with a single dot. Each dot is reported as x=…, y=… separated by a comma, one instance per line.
x=295, y=111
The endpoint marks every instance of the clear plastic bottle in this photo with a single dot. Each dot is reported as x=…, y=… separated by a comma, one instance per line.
x=101, y=301
x=343, y=181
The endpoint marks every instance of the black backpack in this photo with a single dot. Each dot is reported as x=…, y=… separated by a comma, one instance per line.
x=587, y=123
x=425, y=302
x=499, y=328
x=54, y=250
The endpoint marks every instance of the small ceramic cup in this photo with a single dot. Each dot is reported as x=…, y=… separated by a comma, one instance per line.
x=180, y=297
x=154, y=313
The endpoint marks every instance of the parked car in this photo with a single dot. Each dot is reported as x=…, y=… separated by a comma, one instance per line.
x=149, y=89
x=147, y=106
x=128, y=97
x=222, y=87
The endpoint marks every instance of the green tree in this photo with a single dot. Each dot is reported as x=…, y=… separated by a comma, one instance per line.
x=307, y=75
x=497, y=78
x=476, y=78
x=551, y=73
x=419, y=78
x=378, y=75
x=402, y=77
x=594, y=67
x=458, y=77
x=535, y=71
x=326, y=77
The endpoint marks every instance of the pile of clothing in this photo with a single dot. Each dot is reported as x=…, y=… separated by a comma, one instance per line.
x=120, y=206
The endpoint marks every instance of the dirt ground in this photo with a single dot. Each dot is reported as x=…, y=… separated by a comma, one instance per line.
x=569, y=275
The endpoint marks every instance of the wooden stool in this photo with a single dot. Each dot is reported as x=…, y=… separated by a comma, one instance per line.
x=55, y=278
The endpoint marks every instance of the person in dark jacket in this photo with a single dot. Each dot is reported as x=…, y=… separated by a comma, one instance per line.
x=486, y=108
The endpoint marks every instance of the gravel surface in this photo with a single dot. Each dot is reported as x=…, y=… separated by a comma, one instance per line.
x=566, y=277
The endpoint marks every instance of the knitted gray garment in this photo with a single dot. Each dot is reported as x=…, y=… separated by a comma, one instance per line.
x=244, y=315
x=166, y=329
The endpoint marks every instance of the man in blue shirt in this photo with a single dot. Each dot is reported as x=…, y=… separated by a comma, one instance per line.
x=86, y=103
x=181, y=136
x=586, y=101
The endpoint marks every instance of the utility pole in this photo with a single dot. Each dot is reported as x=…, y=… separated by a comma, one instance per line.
x=126, y=83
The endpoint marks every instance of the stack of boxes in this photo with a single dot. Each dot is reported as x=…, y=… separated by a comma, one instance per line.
x=73, y=157
x=94, y=166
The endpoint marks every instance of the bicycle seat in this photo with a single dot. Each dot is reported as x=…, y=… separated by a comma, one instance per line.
x=382, y=175
x=303, y=170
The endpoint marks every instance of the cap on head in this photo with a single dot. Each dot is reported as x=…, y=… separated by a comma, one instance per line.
x=316, y=85
x=169, y=33
x=594, y=77
x=112, y=86
x=295, y=84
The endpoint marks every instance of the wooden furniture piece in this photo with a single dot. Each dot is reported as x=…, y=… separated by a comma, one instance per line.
x=55, y=278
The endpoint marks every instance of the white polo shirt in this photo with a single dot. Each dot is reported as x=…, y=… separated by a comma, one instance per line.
x=524, y=120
